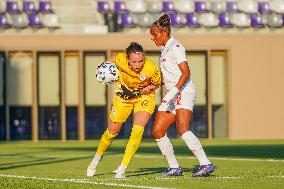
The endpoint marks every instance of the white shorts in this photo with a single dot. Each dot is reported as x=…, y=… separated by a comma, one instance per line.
x=185, y=100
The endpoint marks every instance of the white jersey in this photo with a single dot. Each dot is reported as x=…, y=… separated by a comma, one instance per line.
x=172, y=54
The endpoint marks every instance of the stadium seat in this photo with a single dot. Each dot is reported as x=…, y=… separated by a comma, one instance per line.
x=248, y=6
x=34, y=21
x=240, y=20
x=155, y=6
x=273, y=20
x=128, y=20
x=177, y=20
x=29, y=6
x=263, y=7
x=45, y=6
x=232, y=6
x=168, y=6
x=19, y=21
x=224, y=20
x=136, y=6
x=120, y=6
x=145, y=20
x=184, y=6
x=4, y=21
x=256, y=20
x=201, y=6
x=103, y=6
x=208, y=19
x=2, y=7
x=12, y=7
x=277, y=6
x=51, y=21
x=191, y=20
x=218, y=7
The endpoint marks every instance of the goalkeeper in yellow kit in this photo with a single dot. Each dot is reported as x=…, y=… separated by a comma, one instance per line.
x=135, y=90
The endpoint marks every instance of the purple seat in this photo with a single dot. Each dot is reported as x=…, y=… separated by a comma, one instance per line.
x=12, y=7
x=120, y=6
x=34, y=21
x=232, y=6
x=45, y=7
x=191, y=20
x=256, y=20
x=177, y=20
x=104, y=6
x=200, y=6
x=4, y=21
x=127, y=20
x=29, y=7
x=224, y=20
x=168, y=6
x=263, y=7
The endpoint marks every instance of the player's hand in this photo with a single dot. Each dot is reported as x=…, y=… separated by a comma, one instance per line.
x=128, y=94
x=170, y=95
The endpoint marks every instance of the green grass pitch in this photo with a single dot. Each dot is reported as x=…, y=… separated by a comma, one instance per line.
x=56, y=164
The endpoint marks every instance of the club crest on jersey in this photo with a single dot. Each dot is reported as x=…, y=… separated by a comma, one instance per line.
x=142, y=77
x=177, y=45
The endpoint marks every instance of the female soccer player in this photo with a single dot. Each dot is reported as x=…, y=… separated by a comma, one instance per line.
x=177, y=104
x=135, y=90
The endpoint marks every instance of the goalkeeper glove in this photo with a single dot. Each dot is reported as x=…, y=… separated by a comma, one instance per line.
x=128, y=94
x=170, y=95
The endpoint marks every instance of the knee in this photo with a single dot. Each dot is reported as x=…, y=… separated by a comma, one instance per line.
x=157, y=133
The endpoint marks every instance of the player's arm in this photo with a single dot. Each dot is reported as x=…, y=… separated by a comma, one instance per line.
x=149, y=88
x=185, y=74
x=156, y=81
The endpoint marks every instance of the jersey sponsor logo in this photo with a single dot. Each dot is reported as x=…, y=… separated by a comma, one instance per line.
x=142, y=77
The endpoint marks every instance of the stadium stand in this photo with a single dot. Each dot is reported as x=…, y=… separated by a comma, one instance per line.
x=104, y=16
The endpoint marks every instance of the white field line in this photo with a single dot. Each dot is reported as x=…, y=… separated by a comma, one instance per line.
x=82, y=182
x=107, y=181
x=144, y=156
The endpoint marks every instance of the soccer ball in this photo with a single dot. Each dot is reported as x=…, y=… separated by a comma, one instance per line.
x=107, y=73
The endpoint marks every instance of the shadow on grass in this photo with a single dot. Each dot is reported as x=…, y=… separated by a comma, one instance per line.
x=238, y=151
x=45, y=161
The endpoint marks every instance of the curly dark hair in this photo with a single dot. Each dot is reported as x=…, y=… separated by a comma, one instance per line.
x=163, y=23
x=134, y=47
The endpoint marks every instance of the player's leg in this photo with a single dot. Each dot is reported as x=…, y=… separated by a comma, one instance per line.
x=140, y=121
x=143, y=109
x=106, y=139
x=119, y=113
x=184, y=106
x=162, y=123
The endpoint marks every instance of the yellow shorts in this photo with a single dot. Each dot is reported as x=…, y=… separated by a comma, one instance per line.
x=122, y=108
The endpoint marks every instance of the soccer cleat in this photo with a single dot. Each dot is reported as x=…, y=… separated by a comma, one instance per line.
x=119, y=174
x=174, y=172
x=204, y=170
x=92, y=168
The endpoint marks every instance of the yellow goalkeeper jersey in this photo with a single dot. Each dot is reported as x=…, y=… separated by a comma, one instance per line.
x=132, y=80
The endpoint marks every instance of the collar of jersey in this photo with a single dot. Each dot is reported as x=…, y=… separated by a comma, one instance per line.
x=168, y=43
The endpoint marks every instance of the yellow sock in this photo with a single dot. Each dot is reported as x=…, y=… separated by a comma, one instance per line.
x=133, y=144
x=104, y=143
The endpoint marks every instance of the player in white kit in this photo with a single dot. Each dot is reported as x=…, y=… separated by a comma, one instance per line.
x=177, y=104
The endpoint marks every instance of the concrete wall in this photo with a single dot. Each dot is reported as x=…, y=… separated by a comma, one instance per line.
x=255, y=66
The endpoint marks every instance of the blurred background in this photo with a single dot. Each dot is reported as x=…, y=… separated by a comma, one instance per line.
x=50, y=49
